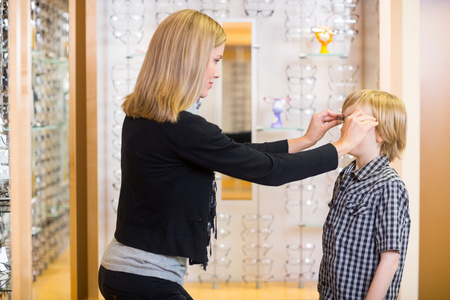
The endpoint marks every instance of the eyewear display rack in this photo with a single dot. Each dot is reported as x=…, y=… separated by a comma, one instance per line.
x=35, y=134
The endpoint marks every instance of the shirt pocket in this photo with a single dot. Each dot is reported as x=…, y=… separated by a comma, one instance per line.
x=360, y=204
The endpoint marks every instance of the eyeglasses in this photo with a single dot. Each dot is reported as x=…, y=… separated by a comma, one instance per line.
x=302, y=101
x=216, y=8
x=257, y=221
x=222, y=249
x=343, y=87
x=297, y=276
x=299, y=194
x=256, y=278
x=335, y=102
x=301, y=70
x=254, y=233
x=165, y=7
x=294, y=263
x=300, y=85
x=130, y=7
x=343, y=6
x=262, y=265
x=263, y=8
x=254, y=249
x=342, y=72
x=295, y=249
x=295, y=9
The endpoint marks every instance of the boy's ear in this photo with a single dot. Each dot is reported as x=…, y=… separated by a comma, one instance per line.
x=378, y=137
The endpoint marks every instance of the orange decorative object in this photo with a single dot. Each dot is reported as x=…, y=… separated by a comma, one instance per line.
x=324, y=35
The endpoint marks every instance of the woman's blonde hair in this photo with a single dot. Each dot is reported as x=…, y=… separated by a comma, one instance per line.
x=171, y=76
x=390, y=113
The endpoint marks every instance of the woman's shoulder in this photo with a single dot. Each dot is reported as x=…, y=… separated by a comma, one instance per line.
x=189, y=122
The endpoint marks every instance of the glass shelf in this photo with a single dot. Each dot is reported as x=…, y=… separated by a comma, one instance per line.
x=304, y=225
x=260, y=128
x=305, y=55
x=44, y=127
x=61, y=60
x=50, y=127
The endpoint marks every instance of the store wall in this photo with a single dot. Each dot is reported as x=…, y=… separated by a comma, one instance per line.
x=434, y=261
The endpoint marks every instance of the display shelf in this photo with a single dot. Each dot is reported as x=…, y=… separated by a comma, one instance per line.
x=320, y=55
x=260, y=129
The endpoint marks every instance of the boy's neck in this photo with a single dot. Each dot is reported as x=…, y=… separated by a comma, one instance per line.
x=364, y=159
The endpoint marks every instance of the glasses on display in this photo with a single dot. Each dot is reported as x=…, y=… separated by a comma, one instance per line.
x=257, y=221
x=302, y=115
x=293, y=264
x=335, y=102
x=127, y=28
x=342, y=72
x=223, y=219
x=115, y=204
x=253, y=233
x=222, y=249
x=127, y=21
x=128, y=7
x=294, y=276
x=342, y=21
x=216, y=8
x=256, y=278
x=165, y=7
x=222, y=262
x=255, y=8
x=124, y=76
x=300, y=28
x=300, y=85
x=343, y=6
x=305, y=69
x=257, y=266
x=252, y=249
x=302, y=101
x=119, y=115
x=300, y=195
x=295, y=248
x=343, y=87
x=296, y=9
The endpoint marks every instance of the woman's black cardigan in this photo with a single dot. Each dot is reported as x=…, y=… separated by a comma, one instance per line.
x=167, y=175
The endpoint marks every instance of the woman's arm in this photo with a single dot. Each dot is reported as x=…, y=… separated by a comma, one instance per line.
x=383, y=276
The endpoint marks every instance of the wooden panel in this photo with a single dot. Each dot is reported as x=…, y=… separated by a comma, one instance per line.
x=399, y=74
x=434, y=261
x=20, y=149
x=83, y=149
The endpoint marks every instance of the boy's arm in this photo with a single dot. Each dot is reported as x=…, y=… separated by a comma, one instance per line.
x=383, y=276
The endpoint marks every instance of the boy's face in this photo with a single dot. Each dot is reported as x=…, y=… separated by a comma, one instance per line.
x=369, y=148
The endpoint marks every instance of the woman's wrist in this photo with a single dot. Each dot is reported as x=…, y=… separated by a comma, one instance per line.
x=342, y=148
x=300, y=144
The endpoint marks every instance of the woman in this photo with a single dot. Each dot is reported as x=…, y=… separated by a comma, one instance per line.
x=167, y=203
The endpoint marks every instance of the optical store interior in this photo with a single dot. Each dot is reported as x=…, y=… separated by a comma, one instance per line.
x=67, y=65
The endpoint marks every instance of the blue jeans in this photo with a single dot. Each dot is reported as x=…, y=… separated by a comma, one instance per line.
x=125, y=286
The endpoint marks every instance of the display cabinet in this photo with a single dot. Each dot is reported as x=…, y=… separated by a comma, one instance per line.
x=35, y=132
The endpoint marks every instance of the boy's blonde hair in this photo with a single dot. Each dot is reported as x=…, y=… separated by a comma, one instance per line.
x=172, y=73
x=390, y=113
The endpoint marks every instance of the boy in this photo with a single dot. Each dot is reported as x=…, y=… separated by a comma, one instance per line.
x=365, y=235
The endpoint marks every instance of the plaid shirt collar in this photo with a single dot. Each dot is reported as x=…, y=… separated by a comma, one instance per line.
x=371, y=169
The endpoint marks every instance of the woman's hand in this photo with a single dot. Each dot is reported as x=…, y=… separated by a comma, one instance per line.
x=353, y=131
x=320, y=123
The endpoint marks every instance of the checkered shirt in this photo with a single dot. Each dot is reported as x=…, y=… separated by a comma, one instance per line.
x=369, y=214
